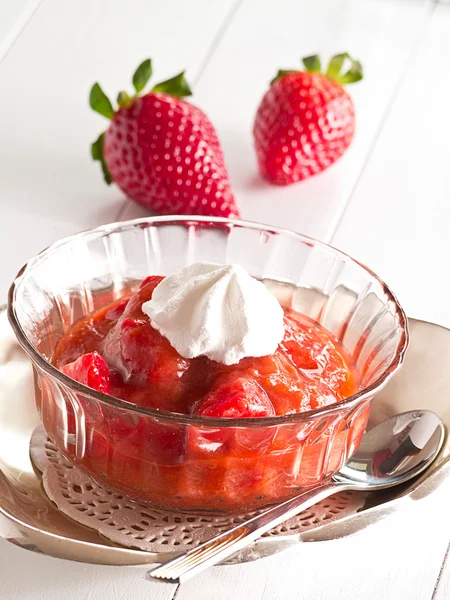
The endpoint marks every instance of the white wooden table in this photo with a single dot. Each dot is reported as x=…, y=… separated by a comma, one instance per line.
x=387, y=202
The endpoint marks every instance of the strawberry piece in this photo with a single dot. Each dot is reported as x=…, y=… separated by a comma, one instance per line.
x=164, y=443
x=97, y=444
x=162, y=151
x=238, y=399
x=153, y=369
x=235, y=455
x=306, y=120
x=91, y=370
x=143, y=437
x=299, y=345
x=117, y=310
x=132, y=316
x=283, y=382
x=150, y=283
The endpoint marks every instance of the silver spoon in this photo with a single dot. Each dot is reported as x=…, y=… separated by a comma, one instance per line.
x=389, y=454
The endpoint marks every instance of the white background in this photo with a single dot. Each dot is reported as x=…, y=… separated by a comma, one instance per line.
x=386, y=202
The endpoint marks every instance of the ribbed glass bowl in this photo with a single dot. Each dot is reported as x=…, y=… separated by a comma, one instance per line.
x=196, y=463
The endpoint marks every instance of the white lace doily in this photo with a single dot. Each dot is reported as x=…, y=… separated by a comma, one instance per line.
x=135, y=525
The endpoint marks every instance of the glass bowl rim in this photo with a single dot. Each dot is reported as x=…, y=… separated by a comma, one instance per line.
x=180, y=418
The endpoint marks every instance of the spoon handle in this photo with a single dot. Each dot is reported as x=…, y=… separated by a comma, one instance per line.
x=225, y=544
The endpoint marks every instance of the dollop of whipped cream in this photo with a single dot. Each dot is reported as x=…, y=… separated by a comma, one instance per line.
x=218, y=311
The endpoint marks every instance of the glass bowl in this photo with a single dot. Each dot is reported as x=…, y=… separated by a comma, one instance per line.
x=195, y=463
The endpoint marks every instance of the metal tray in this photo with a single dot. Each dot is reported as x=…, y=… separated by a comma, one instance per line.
x=28, y=519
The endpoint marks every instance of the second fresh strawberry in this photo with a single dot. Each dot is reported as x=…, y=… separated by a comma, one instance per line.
x=162, y=151
x=306, y=119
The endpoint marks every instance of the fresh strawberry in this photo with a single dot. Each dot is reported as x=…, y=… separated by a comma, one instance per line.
x=306, y=120
x=91, y=370
x=162, y=151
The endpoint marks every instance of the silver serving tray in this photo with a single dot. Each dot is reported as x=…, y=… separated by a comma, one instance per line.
x=28, y=519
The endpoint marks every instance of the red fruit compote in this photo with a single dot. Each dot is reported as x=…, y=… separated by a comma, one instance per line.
x=206, y=465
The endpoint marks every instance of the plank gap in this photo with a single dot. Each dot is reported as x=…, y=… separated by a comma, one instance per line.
x=439, y=577
x=19, y=27
x=177, y=589
x=221, y=31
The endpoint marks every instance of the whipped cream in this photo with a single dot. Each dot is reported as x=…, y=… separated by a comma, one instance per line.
x=218, y=311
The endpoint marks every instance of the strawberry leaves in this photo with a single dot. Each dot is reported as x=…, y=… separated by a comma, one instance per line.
x=123, y=99
x=97, y=154
x=142, y=75
x=354, y=74
x=334, y=70
x=100, y=102
x=175, y=86
x=336, y=64
x=312, y=63
x=281, y=73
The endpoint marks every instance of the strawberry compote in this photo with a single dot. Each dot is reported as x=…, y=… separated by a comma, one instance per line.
x=197, y=467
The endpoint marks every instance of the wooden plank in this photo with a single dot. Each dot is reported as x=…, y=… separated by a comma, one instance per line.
x=396, y=558
x=398, y=220
x=29, y=576
x=49, y=186
x=264, y=36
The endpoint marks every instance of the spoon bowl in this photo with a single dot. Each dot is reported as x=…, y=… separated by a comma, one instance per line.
x=394, y=451
x=391, y=453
